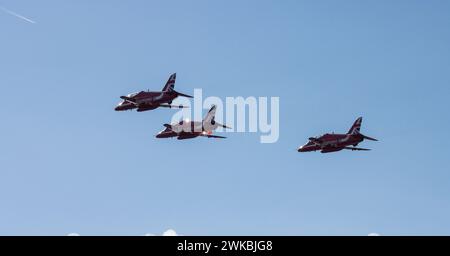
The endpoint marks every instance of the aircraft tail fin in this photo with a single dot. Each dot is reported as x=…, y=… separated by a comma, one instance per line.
x=170, y=83
x=356, y=127
x=209, y=118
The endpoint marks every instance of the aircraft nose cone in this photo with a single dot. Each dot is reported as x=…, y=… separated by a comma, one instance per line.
x=160, y=135
x=301, y=149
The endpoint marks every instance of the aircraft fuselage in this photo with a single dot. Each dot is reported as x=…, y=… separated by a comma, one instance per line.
x=331, y=142
x=146, y=100
x=188, y=130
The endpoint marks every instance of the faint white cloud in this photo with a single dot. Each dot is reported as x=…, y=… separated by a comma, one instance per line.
x=170, y=232
x=373, y=234
x=17, y=15
x=73, y=234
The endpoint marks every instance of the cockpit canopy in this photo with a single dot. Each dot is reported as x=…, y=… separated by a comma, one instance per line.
x=132, y=95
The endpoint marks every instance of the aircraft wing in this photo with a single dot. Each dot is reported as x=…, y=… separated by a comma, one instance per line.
x=354, y=148
x=172, y=106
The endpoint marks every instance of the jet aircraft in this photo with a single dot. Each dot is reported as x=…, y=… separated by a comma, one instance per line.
x=186, y=129
x=336, y=142
x=146, y=100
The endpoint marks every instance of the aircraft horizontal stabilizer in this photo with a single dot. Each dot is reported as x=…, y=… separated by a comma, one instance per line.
x=183, y=95
x=368, y=138
x=223, y=126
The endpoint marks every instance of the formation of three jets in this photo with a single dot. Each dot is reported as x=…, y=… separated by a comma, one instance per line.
x=146, y=100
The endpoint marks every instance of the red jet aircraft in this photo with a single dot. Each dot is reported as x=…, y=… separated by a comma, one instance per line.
x=144, y=101
x=191, y=129
x=336, y=142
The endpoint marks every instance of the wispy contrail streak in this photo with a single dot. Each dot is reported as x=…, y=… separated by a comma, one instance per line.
x=17, y=15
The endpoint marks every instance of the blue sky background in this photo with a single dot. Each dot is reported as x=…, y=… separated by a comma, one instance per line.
x=69, y=163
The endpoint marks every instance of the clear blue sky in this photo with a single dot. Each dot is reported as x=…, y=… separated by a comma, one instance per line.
x=69, y=163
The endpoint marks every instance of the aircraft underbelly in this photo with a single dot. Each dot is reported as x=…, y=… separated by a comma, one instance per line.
x=184, y=136
x=337, y=145
x=145, y=107
x=331, y=149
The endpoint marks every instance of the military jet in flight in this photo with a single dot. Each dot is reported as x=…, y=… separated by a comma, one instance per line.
x=336, y=142
x=146, y=100
x=186, y=129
